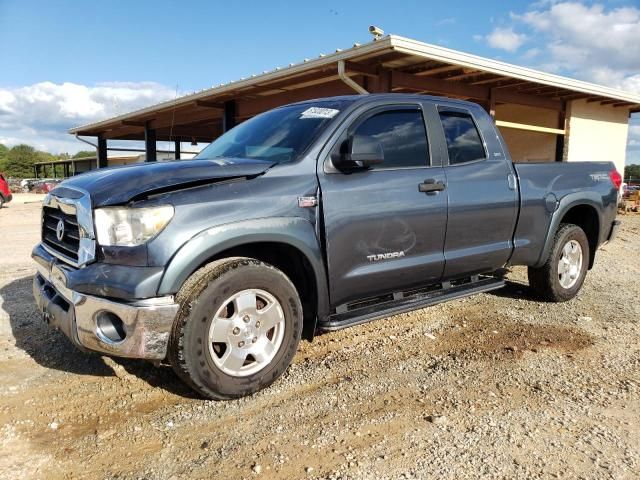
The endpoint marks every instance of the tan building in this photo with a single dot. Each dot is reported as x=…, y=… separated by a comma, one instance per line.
x=543, y=117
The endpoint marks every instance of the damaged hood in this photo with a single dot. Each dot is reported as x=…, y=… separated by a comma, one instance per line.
x=118, y=185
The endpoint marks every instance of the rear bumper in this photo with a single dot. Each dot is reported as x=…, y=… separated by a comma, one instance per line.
x=138, y=329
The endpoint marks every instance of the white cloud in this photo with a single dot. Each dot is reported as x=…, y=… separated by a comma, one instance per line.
x=583, y=37
x=505, y=39
x=531, y=53
x=40, y=114
x=588, y=41
x=446, y=21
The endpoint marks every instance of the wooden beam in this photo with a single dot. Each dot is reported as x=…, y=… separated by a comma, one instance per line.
x=247, y=107
x=123, y=132
x=609, y=102
x=490, y=80
x=465, y=90
x=466, y=74
x=532, y=87
x=505, y=96
x=282, y=84
x=573, y=96
x=437, y=70
x=509, y=85
x=435, y=85
x=386, y=58
x=623, y=104
x=533, y=128
x=132, y=123
x=182, y=116
x=209, y=131
x=209, y=104
x=357, y=68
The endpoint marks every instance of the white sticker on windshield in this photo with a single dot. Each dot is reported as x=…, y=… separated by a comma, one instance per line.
x=317, y=112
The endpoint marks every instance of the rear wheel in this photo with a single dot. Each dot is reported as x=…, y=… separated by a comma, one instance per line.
x=563, y=274
x=238, y=328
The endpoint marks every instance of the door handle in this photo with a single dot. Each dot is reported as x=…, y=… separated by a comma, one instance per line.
x=431, y=185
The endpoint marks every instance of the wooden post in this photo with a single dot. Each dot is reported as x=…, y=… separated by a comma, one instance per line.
x=492, y=103
x=176, y=148
x=560, y=139
x=229, y=115
x=150, y=144
x=381, y=84
x=102, y=153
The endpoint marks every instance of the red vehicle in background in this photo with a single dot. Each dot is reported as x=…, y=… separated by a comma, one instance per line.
x=5, y=193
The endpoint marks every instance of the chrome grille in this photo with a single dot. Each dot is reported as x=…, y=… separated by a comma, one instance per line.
x=69, y=244
x=67, y=226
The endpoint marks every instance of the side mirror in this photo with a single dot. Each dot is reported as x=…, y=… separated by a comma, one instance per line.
x=361, y=151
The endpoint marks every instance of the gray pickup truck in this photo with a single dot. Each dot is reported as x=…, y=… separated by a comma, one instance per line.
x=312, y=216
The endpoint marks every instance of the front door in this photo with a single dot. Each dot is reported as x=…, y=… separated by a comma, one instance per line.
x=382, y=233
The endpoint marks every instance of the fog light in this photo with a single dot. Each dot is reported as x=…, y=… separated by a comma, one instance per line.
x=110, y=328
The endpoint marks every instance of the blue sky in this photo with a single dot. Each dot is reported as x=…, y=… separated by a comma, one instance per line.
x=67, y=62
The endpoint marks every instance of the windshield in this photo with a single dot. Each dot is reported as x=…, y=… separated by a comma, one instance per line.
x=279, y=135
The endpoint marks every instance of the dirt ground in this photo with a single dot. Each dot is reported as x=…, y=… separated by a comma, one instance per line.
x=497, y=386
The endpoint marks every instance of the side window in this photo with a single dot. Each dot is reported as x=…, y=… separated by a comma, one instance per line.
x=463, y=140
x=402, y=135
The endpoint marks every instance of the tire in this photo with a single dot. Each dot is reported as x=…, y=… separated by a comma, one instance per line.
x=560, y=278
x=216, y=302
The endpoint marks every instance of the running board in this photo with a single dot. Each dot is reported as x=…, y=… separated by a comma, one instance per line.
x=405, y=303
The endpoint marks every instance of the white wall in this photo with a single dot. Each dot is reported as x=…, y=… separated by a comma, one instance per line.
x=597, y=133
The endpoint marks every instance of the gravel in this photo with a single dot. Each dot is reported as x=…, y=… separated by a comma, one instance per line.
x=494, y=386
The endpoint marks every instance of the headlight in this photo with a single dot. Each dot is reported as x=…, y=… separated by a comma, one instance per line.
x=121, y=226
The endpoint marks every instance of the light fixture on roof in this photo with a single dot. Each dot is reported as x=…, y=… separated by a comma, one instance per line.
x=193, y=141
x=376, y=32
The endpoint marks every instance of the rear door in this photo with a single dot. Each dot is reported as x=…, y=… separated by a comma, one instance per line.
x=383, y=234
x=482, y=194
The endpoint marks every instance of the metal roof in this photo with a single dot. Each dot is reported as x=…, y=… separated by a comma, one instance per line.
x=406, y=57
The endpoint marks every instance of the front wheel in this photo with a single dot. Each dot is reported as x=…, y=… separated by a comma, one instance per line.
x=563, y=274
x=238, y=328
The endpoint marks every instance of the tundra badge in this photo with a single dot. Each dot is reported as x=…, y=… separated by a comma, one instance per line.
x=384, y=256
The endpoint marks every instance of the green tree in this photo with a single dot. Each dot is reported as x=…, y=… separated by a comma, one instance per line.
x=632, y=171
x=19, y=161
x=85, y=153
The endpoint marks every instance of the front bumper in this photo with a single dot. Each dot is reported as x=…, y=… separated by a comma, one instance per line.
x=88, y=321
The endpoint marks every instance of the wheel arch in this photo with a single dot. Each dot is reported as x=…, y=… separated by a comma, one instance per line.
x=581, y=211
x=289, y=244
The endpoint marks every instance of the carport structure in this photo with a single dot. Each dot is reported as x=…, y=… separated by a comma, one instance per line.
x=543, y=117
